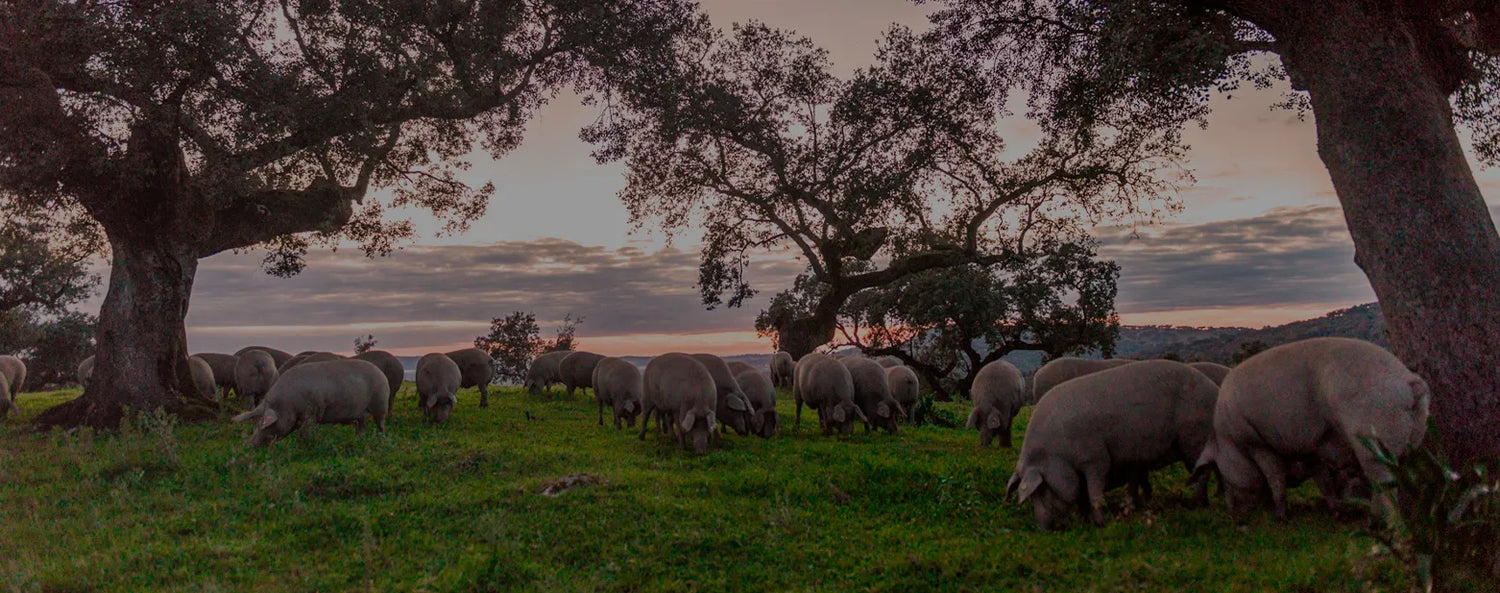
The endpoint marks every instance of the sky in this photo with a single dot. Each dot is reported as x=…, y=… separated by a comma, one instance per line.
x=1260, y=239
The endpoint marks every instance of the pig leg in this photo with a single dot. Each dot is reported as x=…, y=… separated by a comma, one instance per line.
x=484, y=396
x=601, y=415
x=799, y=412
x=1094, y=481
x=1005, y=432
x=1271, y=467
x=647, y=411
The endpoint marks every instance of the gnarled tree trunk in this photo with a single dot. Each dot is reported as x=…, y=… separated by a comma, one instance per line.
x=1422, y=233
x=141, y=357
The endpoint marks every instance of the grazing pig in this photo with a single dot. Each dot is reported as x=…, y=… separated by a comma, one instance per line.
x=904, y=385
x=1062, y=369
x=761, y=395
x=1213, y=370
x=391, y=366
x=280, y=356
x=15, y=375
x=438, y=379
x=680, y=390
x=823, y=384
x=738, y=367
x=782, y=369
x=732, y=408
x=306, y=357
x=887, y=362
x=545, y=371
x=998, y=393
x=872, y=393
x=1110, y=428
x=335, y=392
x=254, y=374
x=223, y=368
x=617, y=384
x=478, y=371
x=1303, y=410
x=203, y=377
x=577, y=370
x=6, y=403
x=85, y=371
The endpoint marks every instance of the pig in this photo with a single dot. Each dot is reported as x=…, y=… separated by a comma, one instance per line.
x=344, y=391
x=306, y=357
x=888, y=361
x=1213, y=370
x=732, y=408
x=395, y=373
x=15, y=375
x=223, y=368
x=1108, y=429
x=872, y=393
x=823, y=384
x=203, y=377
x=478, y=371
x=998, y=392
x=1303, y=410
x=683, y=392
x=761, y=395
x=438, y=379
x=782, y=369
x=6, y=403
x=86, y=371
x=577, y=370
x=904, y=385
x=1062, y=369
x=254, y=374
x=544, y=371
x=617, y=384
x=280, y=356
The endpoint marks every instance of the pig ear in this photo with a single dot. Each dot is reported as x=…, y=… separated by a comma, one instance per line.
x=630, y=406
x=973, y=420
x=994, y=421
x=737, y=404
x=267, y=419
x=1031, y=481
x=1208, y=461
x=839, y=415
x=687, y=422
x=858, y=413
x=248, y=416
x=883, y=410
x=431, y=401
x=713, y=423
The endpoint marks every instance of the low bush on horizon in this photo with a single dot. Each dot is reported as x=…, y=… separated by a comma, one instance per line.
x=170, y=506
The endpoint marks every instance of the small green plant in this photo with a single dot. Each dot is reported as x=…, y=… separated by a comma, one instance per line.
x=924, y=413
x=1445, y=524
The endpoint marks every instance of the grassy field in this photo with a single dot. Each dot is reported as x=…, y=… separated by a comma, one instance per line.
x=163, y=507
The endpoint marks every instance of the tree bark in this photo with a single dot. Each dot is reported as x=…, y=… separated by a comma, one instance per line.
x=1422, y=233
x=141, y=356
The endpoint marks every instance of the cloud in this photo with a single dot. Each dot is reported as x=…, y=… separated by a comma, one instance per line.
x=1286, y=257
x=446, y=295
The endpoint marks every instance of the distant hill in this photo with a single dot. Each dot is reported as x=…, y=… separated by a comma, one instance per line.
x=1363, y=322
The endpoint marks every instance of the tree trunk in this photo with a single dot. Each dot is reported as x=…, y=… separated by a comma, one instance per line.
x=804, y=334
x=1421, y=230
x=141, y=357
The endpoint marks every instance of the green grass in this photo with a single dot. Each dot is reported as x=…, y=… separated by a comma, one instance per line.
x=456, y=508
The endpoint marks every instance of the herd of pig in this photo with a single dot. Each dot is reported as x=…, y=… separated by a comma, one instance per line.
x=1299, y=411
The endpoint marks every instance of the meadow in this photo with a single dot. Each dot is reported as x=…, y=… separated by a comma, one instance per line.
x=164, y=506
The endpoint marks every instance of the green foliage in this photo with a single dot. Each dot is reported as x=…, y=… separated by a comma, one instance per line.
x=365, y=344
x=926, y=412
x=1445, y=524
x=515, y=340
x=44, y=255
x=456, y=508
x=1247, y=350
x=61, y=344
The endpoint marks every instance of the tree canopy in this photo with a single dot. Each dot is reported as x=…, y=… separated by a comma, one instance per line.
x=900, y=164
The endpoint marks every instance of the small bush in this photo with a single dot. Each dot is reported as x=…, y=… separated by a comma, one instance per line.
x=1445, y=524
